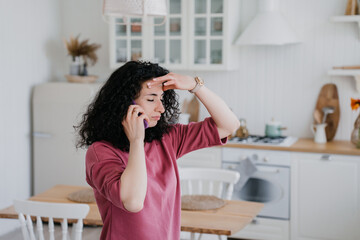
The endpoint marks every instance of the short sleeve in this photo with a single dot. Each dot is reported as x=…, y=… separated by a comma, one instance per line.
x=103, y=172
x=194, y=136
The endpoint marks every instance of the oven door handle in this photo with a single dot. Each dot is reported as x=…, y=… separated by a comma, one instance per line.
x=267, y=169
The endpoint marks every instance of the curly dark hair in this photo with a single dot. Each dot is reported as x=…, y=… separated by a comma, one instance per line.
x=102, y=120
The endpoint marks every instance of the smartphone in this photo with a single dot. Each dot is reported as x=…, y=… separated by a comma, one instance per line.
x=146, y=125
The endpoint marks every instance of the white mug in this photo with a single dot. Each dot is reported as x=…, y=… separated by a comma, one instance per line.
x=319, y=132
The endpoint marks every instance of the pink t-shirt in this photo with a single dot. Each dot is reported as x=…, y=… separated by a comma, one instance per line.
x=160, y=217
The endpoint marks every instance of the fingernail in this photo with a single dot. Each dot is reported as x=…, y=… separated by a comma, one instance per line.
x=154, y=79
x=149, y=85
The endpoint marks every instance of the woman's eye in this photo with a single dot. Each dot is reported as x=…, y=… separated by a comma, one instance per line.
x=150, y=100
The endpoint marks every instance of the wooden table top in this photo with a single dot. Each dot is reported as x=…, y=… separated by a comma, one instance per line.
x=231, y=218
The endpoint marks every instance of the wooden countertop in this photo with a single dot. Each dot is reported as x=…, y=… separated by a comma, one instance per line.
x=308, y=145
x=231, y=218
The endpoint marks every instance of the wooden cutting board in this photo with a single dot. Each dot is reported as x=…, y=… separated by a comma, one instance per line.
x=192, y=108
x=329, y=97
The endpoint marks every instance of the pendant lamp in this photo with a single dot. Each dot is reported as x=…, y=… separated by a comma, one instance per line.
x=134, y=8
x=269, y=27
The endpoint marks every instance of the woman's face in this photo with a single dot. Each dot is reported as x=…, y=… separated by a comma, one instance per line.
x=150, y=100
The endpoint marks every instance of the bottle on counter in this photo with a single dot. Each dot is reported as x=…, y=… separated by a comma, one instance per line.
x=242, y=132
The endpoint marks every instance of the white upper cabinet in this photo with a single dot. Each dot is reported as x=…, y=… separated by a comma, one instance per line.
x=197, y=35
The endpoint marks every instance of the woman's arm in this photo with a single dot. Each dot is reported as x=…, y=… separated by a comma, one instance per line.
x=225, y=119
x=133, y=181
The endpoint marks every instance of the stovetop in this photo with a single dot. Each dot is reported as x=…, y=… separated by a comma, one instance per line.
x=283, y=141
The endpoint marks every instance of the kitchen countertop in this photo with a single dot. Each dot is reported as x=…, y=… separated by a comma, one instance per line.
x=307, y=145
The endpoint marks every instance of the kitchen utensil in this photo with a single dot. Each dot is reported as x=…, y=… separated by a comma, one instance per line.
x=326, y=111
x=193, y=110
x=273, y=129
x=351, y=7
x=329, y=97
x=319, y=132
x=317, y=116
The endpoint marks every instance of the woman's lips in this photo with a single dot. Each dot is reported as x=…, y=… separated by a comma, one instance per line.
x=156, y=118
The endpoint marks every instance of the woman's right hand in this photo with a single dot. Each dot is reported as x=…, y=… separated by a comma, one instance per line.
x=134, y=124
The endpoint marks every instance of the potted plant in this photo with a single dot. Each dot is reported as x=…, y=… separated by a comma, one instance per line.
x=78, y=50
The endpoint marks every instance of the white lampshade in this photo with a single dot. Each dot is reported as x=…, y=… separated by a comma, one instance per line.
x=140, y=8
x=269, y=27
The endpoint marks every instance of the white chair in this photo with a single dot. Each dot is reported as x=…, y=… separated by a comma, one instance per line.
x=64, y=211
x=208, y=181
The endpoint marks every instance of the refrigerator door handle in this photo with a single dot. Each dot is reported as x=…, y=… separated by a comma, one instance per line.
x=42, y=135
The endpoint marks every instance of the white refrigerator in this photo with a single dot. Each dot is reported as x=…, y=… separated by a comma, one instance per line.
x=56, y=108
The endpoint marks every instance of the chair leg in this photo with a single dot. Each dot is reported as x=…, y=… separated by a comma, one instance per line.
x=200, y=235
x=192, y=236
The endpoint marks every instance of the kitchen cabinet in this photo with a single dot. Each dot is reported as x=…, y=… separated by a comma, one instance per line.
x=325, y=196
x=197, y=35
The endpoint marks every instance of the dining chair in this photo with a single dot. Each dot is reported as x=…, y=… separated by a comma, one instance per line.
x=208, y=181
x=62, y=211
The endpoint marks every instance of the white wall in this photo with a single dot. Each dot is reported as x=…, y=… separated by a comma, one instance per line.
x=29, y=44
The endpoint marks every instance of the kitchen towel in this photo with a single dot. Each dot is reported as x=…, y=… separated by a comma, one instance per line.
x=246, y=169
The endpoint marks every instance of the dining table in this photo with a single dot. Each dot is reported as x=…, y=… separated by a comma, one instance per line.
x=227, y=220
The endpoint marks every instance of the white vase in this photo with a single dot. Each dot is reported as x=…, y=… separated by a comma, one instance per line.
x=75, y=66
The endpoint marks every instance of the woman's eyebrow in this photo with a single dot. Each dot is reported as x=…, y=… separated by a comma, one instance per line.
x=154, y=94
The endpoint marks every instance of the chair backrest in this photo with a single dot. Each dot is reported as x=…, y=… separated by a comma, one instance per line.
x=64, y=211
x=208, y=181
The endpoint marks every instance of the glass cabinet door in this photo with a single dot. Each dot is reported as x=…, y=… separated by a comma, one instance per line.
x=168, y=38
x=128, y=40
x=208, y=32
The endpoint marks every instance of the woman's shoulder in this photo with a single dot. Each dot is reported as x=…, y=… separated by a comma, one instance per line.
x=101, y=144
x=103, y=148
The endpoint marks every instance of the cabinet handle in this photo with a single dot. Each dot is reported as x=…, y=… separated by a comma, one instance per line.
x=326, y=157
x=41, y=135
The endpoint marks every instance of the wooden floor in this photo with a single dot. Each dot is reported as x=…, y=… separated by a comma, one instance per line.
x=89, y=233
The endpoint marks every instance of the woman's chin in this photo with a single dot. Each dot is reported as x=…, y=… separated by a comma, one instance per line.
x=152, y=124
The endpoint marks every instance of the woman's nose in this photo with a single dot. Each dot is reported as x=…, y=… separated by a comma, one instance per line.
x=160, y=107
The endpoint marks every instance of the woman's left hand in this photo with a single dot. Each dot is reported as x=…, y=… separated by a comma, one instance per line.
x=174, y=81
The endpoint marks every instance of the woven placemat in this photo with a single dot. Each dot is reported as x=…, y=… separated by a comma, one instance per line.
x=82, y=196
x=201, y=202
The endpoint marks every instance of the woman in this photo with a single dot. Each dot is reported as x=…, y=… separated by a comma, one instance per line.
x=133, y=171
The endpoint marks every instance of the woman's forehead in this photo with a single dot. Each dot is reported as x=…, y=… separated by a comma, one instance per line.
x=155, y=89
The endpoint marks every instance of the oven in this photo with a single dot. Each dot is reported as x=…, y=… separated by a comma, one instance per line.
x=269, y=184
